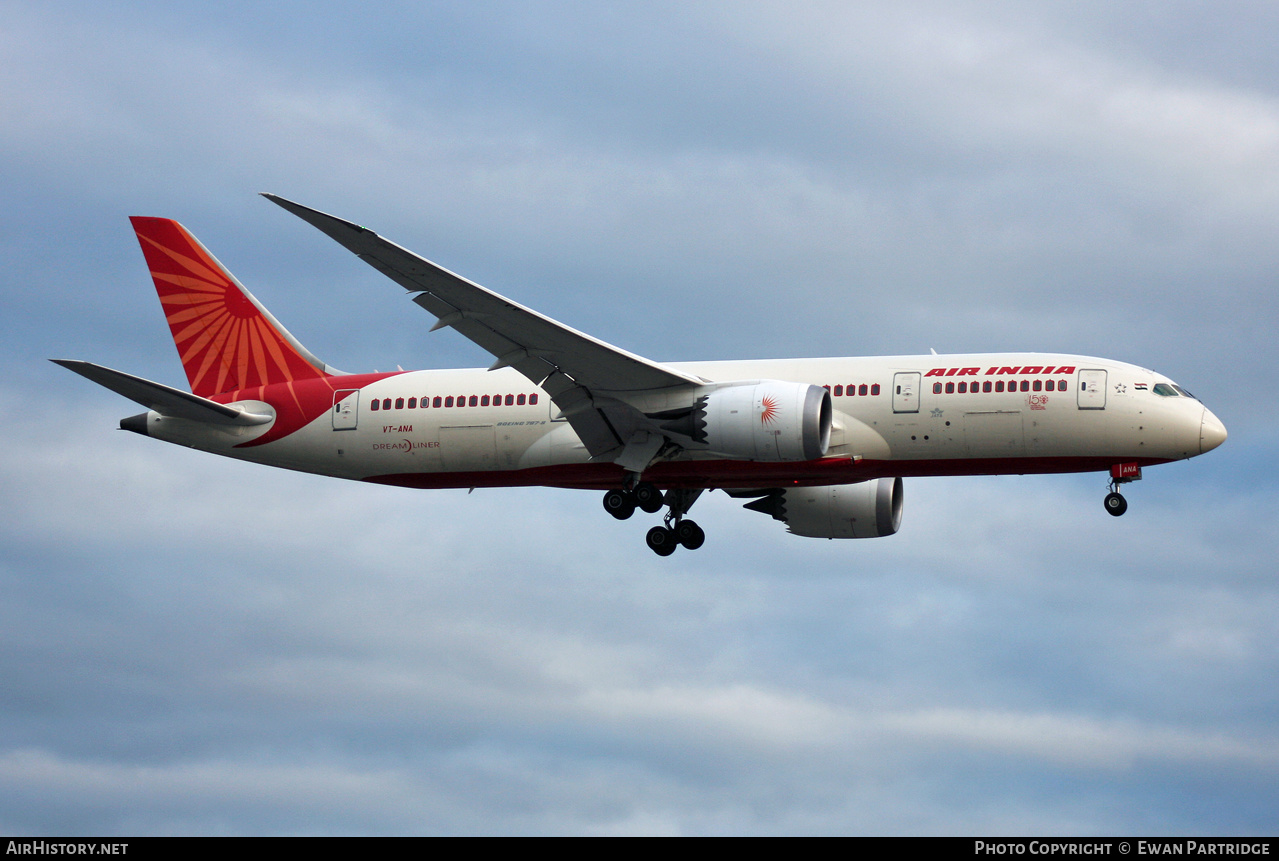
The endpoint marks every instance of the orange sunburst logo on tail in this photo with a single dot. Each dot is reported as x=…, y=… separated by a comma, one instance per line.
x=225, y=340
x=769, y=411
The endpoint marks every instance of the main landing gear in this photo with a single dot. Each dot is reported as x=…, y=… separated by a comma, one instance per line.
x=675, y=530
x=1120, y=473
x=622, y=503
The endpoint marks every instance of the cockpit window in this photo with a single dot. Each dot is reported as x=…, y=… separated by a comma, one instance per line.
x=1186, y=393
x=1164, y=389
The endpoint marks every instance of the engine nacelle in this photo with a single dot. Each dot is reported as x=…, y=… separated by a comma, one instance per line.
x=870, y=509
x=767, y=420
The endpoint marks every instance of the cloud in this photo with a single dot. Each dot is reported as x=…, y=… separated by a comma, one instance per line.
x=247, y=650
x=196, y=645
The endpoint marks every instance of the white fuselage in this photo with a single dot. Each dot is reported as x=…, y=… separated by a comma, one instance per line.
x=894, y=416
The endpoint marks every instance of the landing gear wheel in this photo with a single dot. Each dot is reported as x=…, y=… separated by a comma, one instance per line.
x=1116, y=504
x=661, y=540
x=648, y=497
x=619, y=503
x=689, y=534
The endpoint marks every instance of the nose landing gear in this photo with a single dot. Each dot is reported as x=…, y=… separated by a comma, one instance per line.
x=1120, y=473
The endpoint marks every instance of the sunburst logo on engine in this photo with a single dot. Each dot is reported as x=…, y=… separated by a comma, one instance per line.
x=770, y=410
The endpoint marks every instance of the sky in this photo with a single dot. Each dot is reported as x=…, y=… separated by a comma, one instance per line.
x=193, y=645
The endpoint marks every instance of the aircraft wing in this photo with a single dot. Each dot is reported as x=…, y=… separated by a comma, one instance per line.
x=586, y=378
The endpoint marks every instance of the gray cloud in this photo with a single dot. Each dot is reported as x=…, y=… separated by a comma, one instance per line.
x=195, y=645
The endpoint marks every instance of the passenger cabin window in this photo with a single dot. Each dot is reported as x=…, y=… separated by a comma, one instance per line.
x=988, y=386
x=453, y=400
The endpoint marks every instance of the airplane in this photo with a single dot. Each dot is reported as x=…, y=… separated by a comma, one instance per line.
x=820, y=444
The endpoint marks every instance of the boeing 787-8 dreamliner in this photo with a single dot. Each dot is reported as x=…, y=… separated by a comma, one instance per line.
x=819, y=444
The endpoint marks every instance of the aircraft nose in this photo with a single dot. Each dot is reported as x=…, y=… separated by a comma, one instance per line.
x=1212, y=432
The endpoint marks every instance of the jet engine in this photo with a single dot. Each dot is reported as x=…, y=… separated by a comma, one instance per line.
x=767, y=420
x=870, y=509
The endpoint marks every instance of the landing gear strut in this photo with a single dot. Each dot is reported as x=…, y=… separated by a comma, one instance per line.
x=675, y=530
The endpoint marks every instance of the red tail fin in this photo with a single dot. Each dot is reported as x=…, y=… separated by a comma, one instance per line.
x=226, y=340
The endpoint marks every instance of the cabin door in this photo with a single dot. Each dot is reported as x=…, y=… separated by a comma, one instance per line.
x=1092, y=390
x=346, y=405
x=906, y=392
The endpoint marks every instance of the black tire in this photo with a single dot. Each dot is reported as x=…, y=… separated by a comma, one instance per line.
x=661, y=541
x=619, y=503
x=689, y=534
x=1116, y=504
x=648, y=497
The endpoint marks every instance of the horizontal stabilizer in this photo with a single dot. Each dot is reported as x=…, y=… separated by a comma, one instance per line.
x=165, y=400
